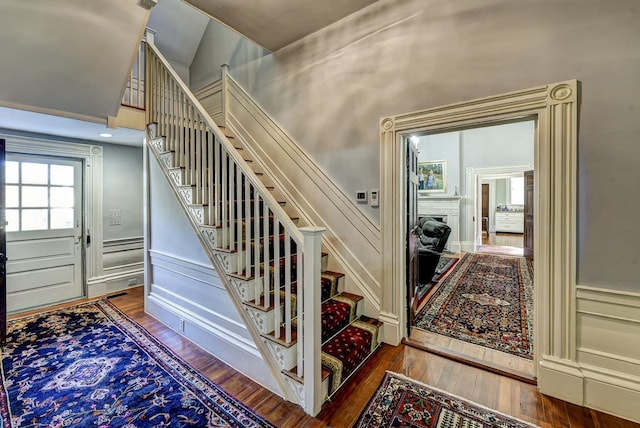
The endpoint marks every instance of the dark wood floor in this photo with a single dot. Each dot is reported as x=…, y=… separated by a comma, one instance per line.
x=492, y=390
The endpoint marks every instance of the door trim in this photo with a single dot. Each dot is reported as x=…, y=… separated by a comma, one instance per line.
x=555, y=109
x=92, y=190
x=473, y=176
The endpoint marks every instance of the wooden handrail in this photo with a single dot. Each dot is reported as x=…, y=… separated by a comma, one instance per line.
x=224, y=192
x=286, y=221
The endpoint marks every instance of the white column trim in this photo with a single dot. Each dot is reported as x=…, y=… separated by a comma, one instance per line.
x=555, y=109
x=92, y=192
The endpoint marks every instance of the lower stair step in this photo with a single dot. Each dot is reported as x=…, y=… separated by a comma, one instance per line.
x=345, y=352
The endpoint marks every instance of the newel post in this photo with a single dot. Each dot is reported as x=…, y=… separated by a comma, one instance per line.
x=225, y=94
x=312, y=237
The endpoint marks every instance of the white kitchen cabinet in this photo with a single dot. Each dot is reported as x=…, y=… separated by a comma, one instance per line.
x=512, y=222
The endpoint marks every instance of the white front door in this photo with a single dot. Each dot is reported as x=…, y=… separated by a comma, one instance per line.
x=44, y=231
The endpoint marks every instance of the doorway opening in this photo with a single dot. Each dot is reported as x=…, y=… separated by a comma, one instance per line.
x=554, y=107
x=493, y=158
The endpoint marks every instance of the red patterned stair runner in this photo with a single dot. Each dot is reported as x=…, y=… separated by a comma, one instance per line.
x=344, y=353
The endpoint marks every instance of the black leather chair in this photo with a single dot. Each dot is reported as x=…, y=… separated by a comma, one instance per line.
x=432, y=240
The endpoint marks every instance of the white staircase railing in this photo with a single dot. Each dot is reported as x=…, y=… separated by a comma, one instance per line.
x=236, y=214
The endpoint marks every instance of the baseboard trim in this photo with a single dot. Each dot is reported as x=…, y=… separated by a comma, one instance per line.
x=561, y=379
x=118, y=281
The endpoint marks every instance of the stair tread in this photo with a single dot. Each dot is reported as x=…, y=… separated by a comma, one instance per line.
x=282, y=339
x=324, y=374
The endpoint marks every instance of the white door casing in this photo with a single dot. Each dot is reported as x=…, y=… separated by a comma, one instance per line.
x=555, y=109
x=91, y=156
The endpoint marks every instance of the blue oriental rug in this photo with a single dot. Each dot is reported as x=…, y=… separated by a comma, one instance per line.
x=90, y=365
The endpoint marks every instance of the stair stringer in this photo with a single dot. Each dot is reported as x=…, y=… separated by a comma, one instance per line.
x=361, y=279
x=287, y=390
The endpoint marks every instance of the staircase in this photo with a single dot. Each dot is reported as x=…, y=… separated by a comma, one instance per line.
x=271, y=264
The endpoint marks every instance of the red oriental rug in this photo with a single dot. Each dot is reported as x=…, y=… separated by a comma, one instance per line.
x=486, y=300
x=403, y=402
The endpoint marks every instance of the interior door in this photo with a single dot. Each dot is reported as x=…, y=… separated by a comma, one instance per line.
x=44, y=231
x=485, y=208
x=528, y=214
x=412, y=220
x=3, y=251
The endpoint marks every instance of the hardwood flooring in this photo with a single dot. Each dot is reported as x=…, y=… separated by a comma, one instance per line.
x=502, y=243
x=504, y=394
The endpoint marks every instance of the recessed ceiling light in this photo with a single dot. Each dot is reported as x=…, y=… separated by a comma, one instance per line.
x=106, y=135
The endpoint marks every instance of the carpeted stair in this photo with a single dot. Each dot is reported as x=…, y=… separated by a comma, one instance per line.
x=348, y=337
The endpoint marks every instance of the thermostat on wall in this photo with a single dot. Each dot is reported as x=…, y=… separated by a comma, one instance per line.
x=374, y=198
x=361, y=196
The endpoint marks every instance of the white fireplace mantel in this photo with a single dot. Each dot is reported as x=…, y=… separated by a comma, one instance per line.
x=447, y=209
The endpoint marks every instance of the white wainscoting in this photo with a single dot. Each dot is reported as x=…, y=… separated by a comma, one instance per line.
x=189, y=298
x=604, y=374
x=608, y=349
x=122, y=266
x=211, y=99
x=312, y=193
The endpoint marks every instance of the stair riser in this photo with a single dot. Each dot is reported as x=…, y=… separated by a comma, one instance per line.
x=286, y=357
x=167, y=159
x=200, y=214
x=235, y=263
x=263, y=320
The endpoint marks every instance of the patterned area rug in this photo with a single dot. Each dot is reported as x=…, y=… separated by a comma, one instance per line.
x=486, y=300
x=403, y=402
x=444, y=265
x=90, y=365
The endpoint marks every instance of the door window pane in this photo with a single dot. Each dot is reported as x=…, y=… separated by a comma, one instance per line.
x=62, y=175
x=35, y=196
x=517, y=190
x=40, y=195
x=61, y=218
x=35, y=173
x=61, y=197
x=11, y=172
x=13, y=220
x=35, y=219
x=12, y=196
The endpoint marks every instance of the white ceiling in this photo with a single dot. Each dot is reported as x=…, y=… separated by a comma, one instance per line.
x=70, y=58
x=274, y=24
x=26, y=121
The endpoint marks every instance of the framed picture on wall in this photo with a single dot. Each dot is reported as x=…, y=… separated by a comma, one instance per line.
x=432, y=176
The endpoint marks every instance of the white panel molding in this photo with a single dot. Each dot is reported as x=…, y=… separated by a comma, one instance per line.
x=213, y=339
x=190, y=316
x=92, y=191
x=555, y=109
x=210, y=97
x=186, y=268
x=351, y=238
x=608, y=355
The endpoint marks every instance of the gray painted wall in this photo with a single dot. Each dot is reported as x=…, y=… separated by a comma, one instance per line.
x=329, y=91
x=220, y=45
x=122, y=172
